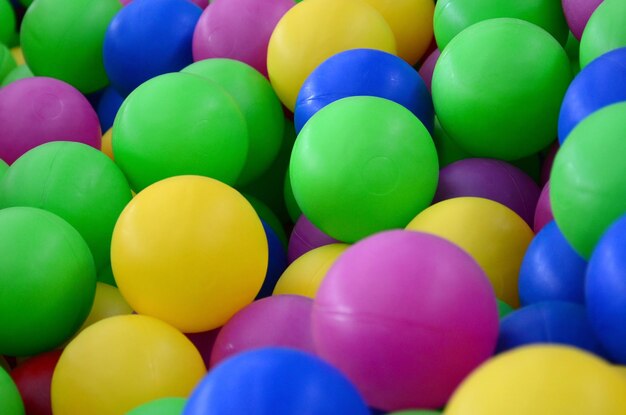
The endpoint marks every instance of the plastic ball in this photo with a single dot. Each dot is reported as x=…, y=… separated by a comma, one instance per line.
x=268, y=217
x=17, y=73
x=163, y=406
x=258, y=103
x=298, y=44
x=63, y=39
x=520, y=64
x=177, y=124
x=428, y=67
x=33, y=379
x=491, y=233
x=379, y=74
x=10, y=396
x=277, y=262
x=605, y=31
x=588, y=181
x=35, y=111
x=351, y=188
x=543, y=211
x=238, y=29
x=577, y=14
x=107, y=303
x=490, y=179
x=7, y=62
x=447, y=150
x=275, y=381
x=548, y=161
x=194, y=228
x=293, y=209
x=107, y=144
x=305, y=275
x=148, y=38
x=583, y=383
x=503, y=309
x=552, y=270
x=48, y=281
x=74, y=181
x=599, y=84
x=305, y=237
x=3, y=168
x=7, y=22
x=107, y=107
x=139, y=359
x=390, y=335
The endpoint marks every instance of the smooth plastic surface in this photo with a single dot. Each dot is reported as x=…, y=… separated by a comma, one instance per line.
x=428, y=67
x=577, y=14
x=543, y=211
x=108, y=105
x=33, y=379
x=7, y=21
x=163, y=406
x=305, y=237
x=10, y=396
x=605, y=31
x=276, y=264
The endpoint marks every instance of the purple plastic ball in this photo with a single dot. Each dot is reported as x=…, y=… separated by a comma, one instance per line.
x=428, y=67
x=304, y=238
x=543, y=211
x=577, y=13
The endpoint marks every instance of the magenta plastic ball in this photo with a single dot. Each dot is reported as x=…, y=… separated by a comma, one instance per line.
x=304, y=238
x=277, y=321
x=406, y=316
x=427, y=68
x=543, y=211
x=546, y=166
x=577, y=14
x=239, y=30
x=34, y=111
x=204, y=342
x=490, y=179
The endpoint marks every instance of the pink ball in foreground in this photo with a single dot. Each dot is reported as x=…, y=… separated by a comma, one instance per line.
x=543, y=211
x=304, y=238
x=406, y=316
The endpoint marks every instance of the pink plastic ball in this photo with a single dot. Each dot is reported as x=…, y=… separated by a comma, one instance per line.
x=34, y=111
x=277, y=321
x=239, y=30
x=577, y=13
x=406, y=316
x=427, y=68
x=543, y=211
x=304, y=238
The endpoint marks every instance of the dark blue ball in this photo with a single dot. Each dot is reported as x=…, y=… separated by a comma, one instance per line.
x=108, y=105
x=277, y=262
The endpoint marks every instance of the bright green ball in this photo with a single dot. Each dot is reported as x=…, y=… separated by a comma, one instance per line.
x=179, y=124
x=164, y=406
x=7, y=63
x=3, y=168
x=605, y=31
x=17, y=73
x=292, y=205
x=48, y=281
x=498, y=87
x=588, y=178
x=63, y=39
x=75, y=181
x=503, y=309
x=10, y=399
x=7, y=22
x=258, y=103
x=363, y=165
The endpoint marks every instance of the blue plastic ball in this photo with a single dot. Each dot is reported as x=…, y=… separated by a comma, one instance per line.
x=277, y=262
x=599, y=84
x=275, y=381
x=148, y=38
x=606, y=291
x=108, y=105
x=366, y=72
x=551, y=269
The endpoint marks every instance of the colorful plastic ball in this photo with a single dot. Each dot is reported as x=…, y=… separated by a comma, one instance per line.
x=305, y=237
x=275, y=381
x=74, y=181
x=37, y=110
x=296, y=49
x=268, y=217
x=148, y=38
x=290, y=200
x=63, y=39
x=277, y=262
x=163, y=406
x=258, y=103
x=543, y=211
x=139, y=359
x=503, y=309
x=305, y=275
x=10, y=396
x=447, y=150
x=605, y=290
x=547, y=163
x=197, y=229
x=7, y=22
x=428, y=67
x=552, y=270
x=599, y=84
x=178, y=124
x=7, y=62
x=33, y=379
x=351, y=188
x=239, y=30
x=391, y=335
x=48, y=281
x=490, y=179
x=3, y=168
x=520, y=64
x=588, y=181
x=107, y=303
x=17, y=73
x=494, y=235
x=107, y=144
x=605, y=31
x=108, y=105
x=380, y=74
x=577, y=14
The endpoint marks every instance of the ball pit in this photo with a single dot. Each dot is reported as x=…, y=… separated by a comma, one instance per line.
x=33, y=379
x=163, y=406
x=305, y=237
x=9, y=395
x=577, y=14
x=605, y=31
x=17, y=73
x=108, y=105
x=276, y=263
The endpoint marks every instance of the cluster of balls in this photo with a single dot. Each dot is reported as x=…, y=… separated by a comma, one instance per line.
x=451, y=173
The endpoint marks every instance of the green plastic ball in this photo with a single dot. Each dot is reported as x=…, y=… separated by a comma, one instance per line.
x=588, y=178
x=63, y=39
x=10, y=399
x=572, y=48
x=105, y=275
x=7, y=63
x=17, y=73
x=48, y=281
x=164, y=406
x=3, y=168
x=363, y=165
x=605, y=31
x=76, y=182
x=269, y=217
x=503, y=309
x=258, y=103
x=178, y=124
x=498, y=87
x=7, y=22
x=290, y=200
x=447, y=150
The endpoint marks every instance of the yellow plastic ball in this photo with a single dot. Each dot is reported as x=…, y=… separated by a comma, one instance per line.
x=541, y=380
x=122, y=362
x=18, y=55
x=494, y=235
x=106, y=146
x=305, y=274
x=313, y=31
x=189, y=250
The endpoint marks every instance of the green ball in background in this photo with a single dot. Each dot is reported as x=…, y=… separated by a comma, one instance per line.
x=179, y=124
x=572, y=48
x=74, y=181
x=7, y=22
x=290, y=200
x=453, y=16
x=260, y=107
x=19, y=72
x=605, y=31
x=10, y=399
x=498, y=86
x=105, y=275
x=362, y=165
x=63, y=39
x=530, y=165
x=447, y=150
x=48, y=281
x=503, y=309
x=164, y=406
x=269, y=217
x=588, y=179
x=7, y=63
